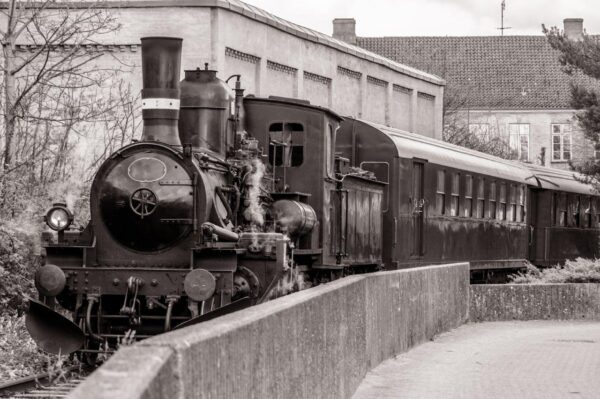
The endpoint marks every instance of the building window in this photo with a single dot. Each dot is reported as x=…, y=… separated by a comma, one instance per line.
x=480, y=130
x=468, y=212
x=521, y=216
x=519, y=140
x=440, y=196
x=492, y=209
x=286, y=144
x=561, y=142
x=502, y=209
x=454, y=195
x=480, y=198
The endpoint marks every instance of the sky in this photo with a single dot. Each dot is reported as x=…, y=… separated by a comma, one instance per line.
x=435, y=17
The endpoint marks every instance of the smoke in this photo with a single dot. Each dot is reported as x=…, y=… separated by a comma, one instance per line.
x=74, y=193
x=254, y=212
x=292, y=281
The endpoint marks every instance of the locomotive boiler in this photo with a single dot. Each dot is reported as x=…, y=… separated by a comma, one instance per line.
x=199, y=217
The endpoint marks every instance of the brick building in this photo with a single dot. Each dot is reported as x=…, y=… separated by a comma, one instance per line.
x=276, y=57
x=511, y=86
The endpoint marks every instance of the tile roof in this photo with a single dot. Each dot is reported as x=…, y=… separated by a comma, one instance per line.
x=488, y=72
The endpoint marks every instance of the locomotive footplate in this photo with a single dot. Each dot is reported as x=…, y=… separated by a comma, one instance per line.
x=113, y=281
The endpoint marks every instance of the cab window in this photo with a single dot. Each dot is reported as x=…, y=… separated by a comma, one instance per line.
x=286, y=144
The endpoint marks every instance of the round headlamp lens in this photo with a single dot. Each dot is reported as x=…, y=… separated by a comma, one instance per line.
x=58, y=218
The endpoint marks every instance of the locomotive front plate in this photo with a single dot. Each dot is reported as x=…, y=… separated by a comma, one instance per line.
x=146, y=170
x=143, y=223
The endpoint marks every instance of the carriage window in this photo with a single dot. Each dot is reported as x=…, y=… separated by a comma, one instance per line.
x=440, y=196
x=574, y=205
x=454, y=195
x=286, y=144
x=588, y=213
x=561, y=214
x=596, y=210
x=513, y=203
x=492, y=209
x=329, y=153
x=468, y=196
x=502, y=209
x=554, y=221
x=480, y=198
x=521, y=215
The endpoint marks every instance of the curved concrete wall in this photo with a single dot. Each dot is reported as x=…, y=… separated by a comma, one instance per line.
x=317, y=343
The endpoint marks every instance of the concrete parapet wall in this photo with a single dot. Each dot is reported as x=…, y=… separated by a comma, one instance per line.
x=315, y=343
x=534, y=302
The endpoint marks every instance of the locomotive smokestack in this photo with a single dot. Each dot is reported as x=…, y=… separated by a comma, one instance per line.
x=161, y=63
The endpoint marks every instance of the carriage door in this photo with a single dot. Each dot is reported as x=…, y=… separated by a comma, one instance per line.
x=418, y=208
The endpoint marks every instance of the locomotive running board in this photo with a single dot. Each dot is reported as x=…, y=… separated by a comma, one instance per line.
x=51, y=331
x=232, y=307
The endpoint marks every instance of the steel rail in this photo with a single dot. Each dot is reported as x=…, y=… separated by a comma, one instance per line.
x=23, y=384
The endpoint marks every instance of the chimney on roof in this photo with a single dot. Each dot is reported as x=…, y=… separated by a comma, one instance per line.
x=574, y=28
x=345, y=29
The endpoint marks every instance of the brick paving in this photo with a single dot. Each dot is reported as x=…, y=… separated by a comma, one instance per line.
x=516, y=359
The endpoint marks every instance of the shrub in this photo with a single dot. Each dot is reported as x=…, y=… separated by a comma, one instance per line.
x=579, y=270
x=18, y=262
x=20, y=355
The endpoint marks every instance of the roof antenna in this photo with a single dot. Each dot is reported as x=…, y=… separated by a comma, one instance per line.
x=502, y=28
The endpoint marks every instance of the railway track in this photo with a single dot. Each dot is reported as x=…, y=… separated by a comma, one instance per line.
x=45, y=385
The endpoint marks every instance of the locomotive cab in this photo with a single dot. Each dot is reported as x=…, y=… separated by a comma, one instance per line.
x=302, y=139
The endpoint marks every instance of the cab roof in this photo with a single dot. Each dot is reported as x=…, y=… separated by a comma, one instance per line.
x=295, y=102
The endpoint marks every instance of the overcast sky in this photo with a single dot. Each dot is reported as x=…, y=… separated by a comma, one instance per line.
x=435, y=17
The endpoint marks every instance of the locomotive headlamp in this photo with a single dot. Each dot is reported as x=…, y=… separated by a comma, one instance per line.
x=59, y=217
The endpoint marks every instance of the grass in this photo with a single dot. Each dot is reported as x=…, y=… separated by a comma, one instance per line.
x=579, y=270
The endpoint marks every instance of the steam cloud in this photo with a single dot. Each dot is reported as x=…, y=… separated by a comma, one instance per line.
x=254, y=212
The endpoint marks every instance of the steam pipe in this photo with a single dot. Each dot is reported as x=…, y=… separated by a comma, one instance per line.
x=88, y=319
x=171, y=302
x=221, y=195
x=224, y=234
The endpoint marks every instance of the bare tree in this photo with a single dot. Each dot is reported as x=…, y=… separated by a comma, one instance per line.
x=56, y=95
x=457, y=131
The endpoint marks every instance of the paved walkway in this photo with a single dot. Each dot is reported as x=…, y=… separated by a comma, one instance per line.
x=527, y=359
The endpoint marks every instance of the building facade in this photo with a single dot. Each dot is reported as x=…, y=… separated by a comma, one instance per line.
x=277, y=58
x=512, y=87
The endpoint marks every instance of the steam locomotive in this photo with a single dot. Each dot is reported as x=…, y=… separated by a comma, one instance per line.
x=230, y=200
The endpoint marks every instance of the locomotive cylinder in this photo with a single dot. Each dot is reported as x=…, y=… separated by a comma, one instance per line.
x=161, y=63
x=206, y=105
x=294, y=217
